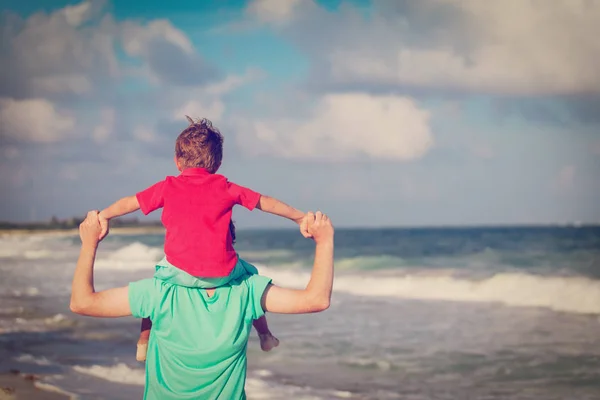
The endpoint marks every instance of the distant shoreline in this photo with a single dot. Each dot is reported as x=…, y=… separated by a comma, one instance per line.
x=132, y=230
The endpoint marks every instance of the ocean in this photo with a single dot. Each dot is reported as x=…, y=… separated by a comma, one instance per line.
x=416, y=314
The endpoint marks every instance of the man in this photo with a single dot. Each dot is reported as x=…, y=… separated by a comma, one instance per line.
x=197, y=348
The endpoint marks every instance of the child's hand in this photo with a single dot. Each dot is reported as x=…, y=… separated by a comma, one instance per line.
x=303, y=222
x=104, y=226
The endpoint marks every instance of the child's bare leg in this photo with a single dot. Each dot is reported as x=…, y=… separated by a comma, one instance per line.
x=142, y=344
x=267, y=340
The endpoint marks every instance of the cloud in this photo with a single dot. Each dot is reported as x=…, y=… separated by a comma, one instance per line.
x=104, y=130
x=564, y=178
x=61, y=52
x=595, y=148
x=73, y=50
x=144, y=134
x=233, y=82
x=482, y=151
x=34, y=120
x=195, y=109
x=10, y=152
x=275, y=11
x=80, y=13
x=513, y=47
x=169, y=54
x=343, y=126
x=68, y=56
x=207, y=102
x=137, y=39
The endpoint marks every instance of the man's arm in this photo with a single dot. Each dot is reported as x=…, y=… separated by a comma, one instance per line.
x=84, y=299
x=123, y=206
x=317, y=294
x=273, y=206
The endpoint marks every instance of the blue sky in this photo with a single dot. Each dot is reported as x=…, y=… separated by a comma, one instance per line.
x=382, y=112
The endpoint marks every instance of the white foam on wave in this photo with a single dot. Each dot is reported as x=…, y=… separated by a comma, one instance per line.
x=132, y=257
x=30, y=291
x=119, y=373
x=256, y=388
x=368, y=262
x=48, y=324
x=566, y=294
x=30, y=359
x=55, y=389
x=34, y=247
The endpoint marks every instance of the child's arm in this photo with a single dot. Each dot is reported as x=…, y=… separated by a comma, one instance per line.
x=277, y=207
x=123, y=206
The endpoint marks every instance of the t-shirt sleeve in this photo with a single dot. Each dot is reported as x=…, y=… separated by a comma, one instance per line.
x=257, y=285
x=243, y=196
x=152, y=198
x=142, y=295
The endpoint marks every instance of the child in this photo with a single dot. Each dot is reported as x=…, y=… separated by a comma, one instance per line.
x=197, y=206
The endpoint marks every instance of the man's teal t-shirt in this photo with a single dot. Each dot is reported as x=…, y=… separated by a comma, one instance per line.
x=197, y=347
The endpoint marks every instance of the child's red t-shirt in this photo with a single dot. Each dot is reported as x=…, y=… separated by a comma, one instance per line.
x=197, y=207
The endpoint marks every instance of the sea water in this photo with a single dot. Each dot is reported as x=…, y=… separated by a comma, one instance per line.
x=481, y=313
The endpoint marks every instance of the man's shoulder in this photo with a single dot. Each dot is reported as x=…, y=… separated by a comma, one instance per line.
x=251, y=284
x=144, y=285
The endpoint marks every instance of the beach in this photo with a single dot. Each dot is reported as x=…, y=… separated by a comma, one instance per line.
x=16, y=386
x=474, y=313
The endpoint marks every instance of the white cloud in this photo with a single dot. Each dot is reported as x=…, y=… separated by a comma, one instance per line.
x=508, y=47
x=233, y=82
x=76, y=83
x=138, y=39
x=58, y=52
x=73, y=50
x=275, y=11
x=78, y=14
x=34, y=120
x=144, y=134
x=212, y=110
x=104, y=130
x=344, y=126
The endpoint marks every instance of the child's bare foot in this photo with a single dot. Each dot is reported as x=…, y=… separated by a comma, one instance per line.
x=142, y=349
x=268, y=341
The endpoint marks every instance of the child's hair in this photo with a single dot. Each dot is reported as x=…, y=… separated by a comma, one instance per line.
x=200, y=145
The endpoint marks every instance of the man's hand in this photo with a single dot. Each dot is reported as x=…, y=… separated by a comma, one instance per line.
x=104, y=225
x=89, y=230
x=318, y=226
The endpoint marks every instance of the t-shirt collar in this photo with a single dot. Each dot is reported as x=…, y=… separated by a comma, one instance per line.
x=195, y=172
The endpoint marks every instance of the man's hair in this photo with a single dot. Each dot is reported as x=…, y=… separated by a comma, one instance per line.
x=200, y=145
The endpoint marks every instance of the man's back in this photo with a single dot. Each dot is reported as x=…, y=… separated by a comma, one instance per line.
x=197, y=339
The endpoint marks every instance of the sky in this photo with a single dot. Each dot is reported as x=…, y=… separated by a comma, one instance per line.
x=380, y=113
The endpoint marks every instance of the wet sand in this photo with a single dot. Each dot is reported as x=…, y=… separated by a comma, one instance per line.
x=17, y=386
